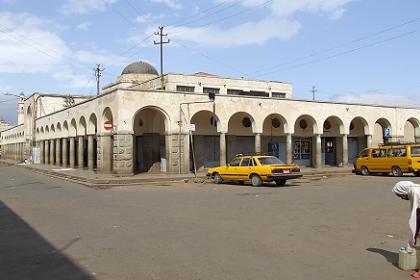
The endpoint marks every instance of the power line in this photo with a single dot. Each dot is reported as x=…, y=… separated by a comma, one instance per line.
x=208, y=15
x=242, y=12
x=362, y=38
x=120, y=14
x=178, y=22
x=210, y=58
x=342, y=53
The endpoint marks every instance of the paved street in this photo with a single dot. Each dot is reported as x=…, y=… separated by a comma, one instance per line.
x=346, y=227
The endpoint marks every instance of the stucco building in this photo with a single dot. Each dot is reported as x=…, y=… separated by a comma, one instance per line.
x=149, y=123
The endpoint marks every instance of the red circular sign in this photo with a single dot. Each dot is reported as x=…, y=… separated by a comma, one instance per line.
x=108, y=125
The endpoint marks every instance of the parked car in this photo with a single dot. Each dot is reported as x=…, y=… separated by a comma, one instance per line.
x=385, y=159
x=257, y=168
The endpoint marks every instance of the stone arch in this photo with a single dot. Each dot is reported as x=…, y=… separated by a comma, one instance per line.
x=107, y=116
x=150, y=126
x=65, y=129
x=379, y=136
x=332, y=143
x=273, y=137
x=73, y=128
x=206, y=140
x=92, y=128
x=357, y=139
x=240, y=135
x=82, y=128
x=411, y=130
x=303, y=142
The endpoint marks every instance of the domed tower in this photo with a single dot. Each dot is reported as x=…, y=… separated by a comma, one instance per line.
x=138, y=72
x=21, y=109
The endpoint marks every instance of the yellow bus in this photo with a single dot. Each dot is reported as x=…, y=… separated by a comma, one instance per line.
x=395, y=159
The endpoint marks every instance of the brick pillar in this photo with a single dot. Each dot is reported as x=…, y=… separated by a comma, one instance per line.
x=222, y=148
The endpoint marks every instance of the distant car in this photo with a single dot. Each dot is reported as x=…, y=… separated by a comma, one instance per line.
x=257, y=168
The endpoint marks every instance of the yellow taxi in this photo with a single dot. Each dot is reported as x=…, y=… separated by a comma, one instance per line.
x=257, y=168
x=395, y=159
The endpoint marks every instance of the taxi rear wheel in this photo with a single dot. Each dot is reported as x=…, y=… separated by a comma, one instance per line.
x=217, y=179
x=364, y=171
x=396, y=171
x=256, y=180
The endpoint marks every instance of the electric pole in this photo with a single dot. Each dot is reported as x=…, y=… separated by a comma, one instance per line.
x=98, y=73
x=161, y=43
x=314, y=90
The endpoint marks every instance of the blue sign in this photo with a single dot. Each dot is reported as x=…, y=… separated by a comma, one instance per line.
x=387, y=132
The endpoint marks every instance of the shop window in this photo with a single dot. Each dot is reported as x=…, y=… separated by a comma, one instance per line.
x=235, y=92
x=278, y=94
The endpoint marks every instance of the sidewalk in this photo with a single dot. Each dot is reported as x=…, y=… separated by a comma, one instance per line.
x=99, y=180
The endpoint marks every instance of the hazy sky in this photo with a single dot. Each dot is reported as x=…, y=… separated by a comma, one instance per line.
x=356, y=51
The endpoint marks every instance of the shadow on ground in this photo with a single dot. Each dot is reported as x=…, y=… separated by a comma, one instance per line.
x=25, y=254
x=391, y=257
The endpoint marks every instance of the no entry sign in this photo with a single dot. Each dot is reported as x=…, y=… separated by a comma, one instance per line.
x=108, y=125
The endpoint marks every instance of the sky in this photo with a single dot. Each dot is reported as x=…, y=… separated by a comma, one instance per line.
x=363, y=51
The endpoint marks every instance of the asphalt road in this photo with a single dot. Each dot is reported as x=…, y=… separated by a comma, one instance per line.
x=347, y=227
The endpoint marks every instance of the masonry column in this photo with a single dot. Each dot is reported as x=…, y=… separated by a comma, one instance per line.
x=47, y=151
x=289, y=150
x=258, y=142
x=317, y=149
x=58, y=151
x=80, y=151
x=222, y=148
x=369, y=141
x=105, y=150
x=345, y=150
x=123, y=153
x=52, y=151
x=90, y=153
x=64, y=152
x=72, y=153
x=41, y=151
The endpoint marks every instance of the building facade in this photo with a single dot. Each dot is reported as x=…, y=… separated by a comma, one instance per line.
x=172, y=123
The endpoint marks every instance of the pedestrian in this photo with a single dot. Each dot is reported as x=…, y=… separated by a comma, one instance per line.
x=407, y=190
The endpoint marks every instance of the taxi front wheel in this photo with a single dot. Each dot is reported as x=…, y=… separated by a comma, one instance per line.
x=217, y=179
x=256, y=180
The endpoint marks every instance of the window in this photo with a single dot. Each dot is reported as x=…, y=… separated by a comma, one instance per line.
x=303, y=124
x=185, y=88
x=246, y=162
x=246, y=122
x=302, y=148
x=269, y=160
x=364, y=153
x=254, y=162
x=235, y=162
x=415, y=151
x=258, y=93
x=397, y=152
x=235, y=91
x=211, y=90
x=378, y=153
x=278, y=94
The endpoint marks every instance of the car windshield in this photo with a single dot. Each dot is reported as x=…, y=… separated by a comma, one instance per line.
x=269, y=160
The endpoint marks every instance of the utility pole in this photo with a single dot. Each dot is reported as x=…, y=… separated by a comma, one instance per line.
x=314, y=90
x=161, y=43
x=98, y=73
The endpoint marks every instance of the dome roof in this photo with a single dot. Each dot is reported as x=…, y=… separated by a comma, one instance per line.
x=140, y=67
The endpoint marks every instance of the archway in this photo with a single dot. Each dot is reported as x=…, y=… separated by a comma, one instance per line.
x=240, y=137
x=206, y=140
x=273, y=139
x=411, y=131
x=304, y=152
x=332, y=141
x=150, y=152
x=357, y=139
x=92, y=131
x=382, y=132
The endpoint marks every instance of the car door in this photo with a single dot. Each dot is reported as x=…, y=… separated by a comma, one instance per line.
x=244, y=168
x=231, y=171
